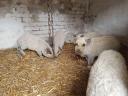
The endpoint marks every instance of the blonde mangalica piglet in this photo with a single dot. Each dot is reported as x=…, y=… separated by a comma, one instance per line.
x=108, y=75
x=91, y=48
x=32, y=42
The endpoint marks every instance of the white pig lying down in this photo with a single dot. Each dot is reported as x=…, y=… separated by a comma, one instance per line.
x=108, y=75
x=91, y=48
x=32, y=42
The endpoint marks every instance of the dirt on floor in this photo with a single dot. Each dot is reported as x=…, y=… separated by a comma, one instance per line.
x=66, y=75
x=32, y=75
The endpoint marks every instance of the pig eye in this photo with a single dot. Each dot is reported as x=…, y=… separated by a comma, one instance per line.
x=83, y=45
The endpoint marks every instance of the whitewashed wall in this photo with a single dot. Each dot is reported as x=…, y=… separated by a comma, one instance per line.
x=38, y=23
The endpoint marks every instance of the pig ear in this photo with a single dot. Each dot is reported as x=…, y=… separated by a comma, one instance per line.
x=74, y=38
x=88, y=41
x=74, y=35
x=82, y=35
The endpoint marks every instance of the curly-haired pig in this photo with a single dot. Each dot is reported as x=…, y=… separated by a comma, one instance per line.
x=32, y=42
x=91, y=48
x=108, y=75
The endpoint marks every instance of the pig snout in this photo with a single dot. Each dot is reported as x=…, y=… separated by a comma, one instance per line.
x=78, y=52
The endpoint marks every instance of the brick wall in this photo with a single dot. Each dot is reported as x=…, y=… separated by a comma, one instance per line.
x=37, y=22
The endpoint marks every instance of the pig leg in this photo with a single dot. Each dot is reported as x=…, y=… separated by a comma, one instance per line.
x=39, y=52
x=90, y=60
x=20, y=51
x=59, y=51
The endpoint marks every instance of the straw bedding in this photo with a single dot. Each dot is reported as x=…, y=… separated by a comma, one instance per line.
x=32, y=75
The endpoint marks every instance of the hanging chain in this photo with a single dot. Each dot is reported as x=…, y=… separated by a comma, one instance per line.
x=50, y=25
x=87, y=11
x=49, y=20
x=89, y=16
